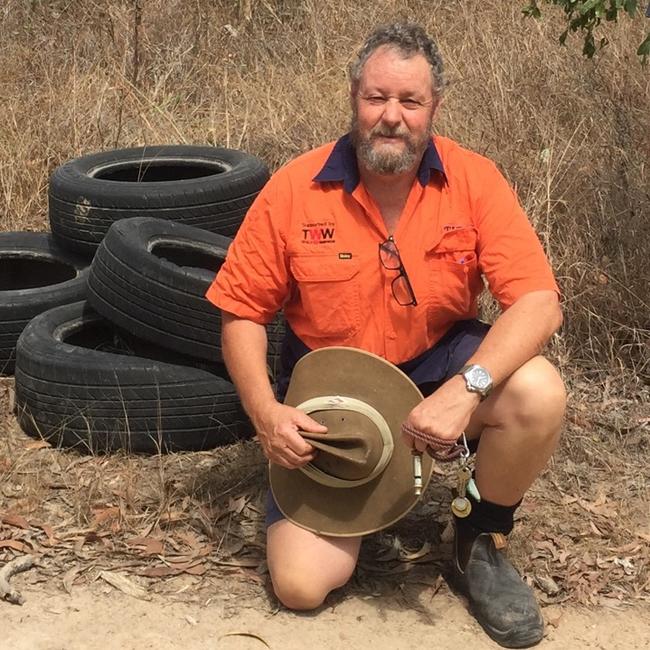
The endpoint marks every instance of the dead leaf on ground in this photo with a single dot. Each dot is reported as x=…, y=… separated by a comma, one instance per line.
x=180, y=559
x=192, y=568
x=196, y=570
x=37, y=444
x=231, y=546
x=242, y=562
x=147, y=545
x=405, y=556
x=171, y=517
x=547, y=584
x=15, y=545
x=237, y=505
x=189, y=538
x=626, y=564
x=17, y=521
x=125, y=585
x=601, y=506
x=103, y=515
x=49, y=531
x=70, y=576
x=159, y=572
x=248, y=635
x=630, y=548
x=595, y=529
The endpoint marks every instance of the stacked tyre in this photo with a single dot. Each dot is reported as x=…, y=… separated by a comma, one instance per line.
x=36, y=274
x=83, y=383
x=206, y=187
x=138, y=366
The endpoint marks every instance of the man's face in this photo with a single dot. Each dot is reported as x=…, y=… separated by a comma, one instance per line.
x=392, y=111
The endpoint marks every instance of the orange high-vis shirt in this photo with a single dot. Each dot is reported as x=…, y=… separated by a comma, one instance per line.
x=310, y=245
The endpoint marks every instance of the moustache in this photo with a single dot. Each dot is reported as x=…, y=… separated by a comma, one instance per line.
x=389, y=133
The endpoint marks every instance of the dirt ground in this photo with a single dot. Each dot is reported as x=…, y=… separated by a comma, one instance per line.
x=97, y=617
x=168, y=551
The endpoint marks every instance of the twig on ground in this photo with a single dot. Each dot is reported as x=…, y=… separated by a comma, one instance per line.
x=10, y=569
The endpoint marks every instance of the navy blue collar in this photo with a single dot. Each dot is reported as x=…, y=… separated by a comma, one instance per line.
x=341, y=165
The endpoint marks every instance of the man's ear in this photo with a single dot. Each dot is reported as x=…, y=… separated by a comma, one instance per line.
x=354, y=89
x=436, y=107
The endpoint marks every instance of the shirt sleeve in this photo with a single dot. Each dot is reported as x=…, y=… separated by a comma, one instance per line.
x=510, y=254
x=253, y=282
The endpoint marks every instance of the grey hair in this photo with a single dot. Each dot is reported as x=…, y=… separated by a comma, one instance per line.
x=407, y=38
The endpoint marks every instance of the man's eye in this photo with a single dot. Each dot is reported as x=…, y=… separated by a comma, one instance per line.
x=375, y=99
x=411, y=103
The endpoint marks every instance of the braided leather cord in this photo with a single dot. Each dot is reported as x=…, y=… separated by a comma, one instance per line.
x=438, y=448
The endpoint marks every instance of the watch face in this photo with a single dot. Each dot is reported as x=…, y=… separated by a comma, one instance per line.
x=480, y=378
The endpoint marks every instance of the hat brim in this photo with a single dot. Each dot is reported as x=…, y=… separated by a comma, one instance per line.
x=367, y=508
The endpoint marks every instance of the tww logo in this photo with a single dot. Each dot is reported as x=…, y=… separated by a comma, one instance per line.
x=317, y=234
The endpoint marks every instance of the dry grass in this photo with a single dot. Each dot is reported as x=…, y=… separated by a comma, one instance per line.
x=269, y=77
x=195, y=520
x=573, y=135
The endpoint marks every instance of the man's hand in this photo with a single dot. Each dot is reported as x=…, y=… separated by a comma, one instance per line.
x=445, y=414
x=277, y=429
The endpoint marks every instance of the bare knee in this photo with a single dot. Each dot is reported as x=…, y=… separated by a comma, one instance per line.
x=298, y=591
x=537, y=396
x=305, y=567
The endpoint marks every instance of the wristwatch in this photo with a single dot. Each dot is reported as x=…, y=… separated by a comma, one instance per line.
x=477, y=379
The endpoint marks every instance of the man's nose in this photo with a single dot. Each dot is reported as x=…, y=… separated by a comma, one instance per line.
x=392, y=115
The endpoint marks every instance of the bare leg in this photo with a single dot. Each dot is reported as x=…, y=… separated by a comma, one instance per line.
x=305, y=567
x=519, y=427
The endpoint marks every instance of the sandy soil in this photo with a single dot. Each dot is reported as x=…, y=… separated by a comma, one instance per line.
x=95, y=617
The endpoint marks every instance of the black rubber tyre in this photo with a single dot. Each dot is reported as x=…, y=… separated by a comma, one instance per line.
x=206, y=187
x=36, y=274
x=79, y=385
x=149, y=276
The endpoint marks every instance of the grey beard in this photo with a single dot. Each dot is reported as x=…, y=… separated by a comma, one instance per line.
x=386, y=161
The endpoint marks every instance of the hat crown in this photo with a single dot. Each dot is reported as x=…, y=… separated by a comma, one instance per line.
x=357, y=447
x=352, y=451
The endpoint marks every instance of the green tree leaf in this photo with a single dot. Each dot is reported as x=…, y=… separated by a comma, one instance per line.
x=630, y=7
x=589, y=5
x=589, y=47
x=585, y=16
x=644, y=48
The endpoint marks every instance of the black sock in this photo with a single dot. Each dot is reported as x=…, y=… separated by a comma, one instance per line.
x=487, y=517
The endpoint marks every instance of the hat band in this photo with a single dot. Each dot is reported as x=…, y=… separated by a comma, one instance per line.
x=339, y=403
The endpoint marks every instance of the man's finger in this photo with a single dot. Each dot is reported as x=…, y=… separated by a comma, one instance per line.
x=299, y=454
x=290, y=459
x=420, y=445
x=303, y=421
x=298, y=444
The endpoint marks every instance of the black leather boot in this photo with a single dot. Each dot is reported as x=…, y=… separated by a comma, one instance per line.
x=499, y=599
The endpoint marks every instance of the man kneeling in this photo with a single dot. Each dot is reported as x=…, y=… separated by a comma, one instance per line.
x=380, y=241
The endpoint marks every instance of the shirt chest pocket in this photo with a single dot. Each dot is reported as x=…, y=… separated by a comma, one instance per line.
x=454, y=278
x=329, y=292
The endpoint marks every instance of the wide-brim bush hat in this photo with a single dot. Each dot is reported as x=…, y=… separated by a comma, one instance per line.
x=361, y=480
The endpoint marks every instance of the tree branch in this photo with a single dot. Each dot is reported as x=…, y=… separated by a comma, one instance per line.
x=10, y=569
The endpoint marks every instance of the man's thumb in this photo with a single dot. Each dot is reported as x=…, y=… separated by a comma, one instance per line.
x=309, y=424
